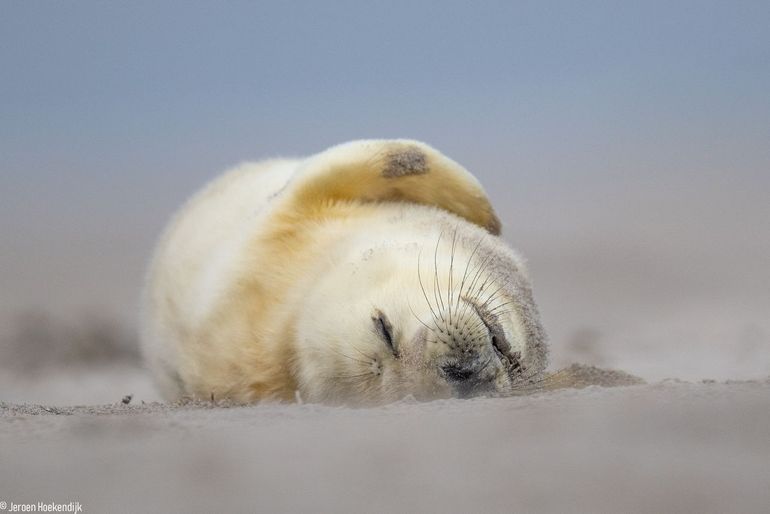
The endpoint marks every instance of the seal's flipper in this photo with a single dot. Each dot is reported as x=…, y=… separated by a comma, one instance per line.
x=578, y=376
x=392, y=170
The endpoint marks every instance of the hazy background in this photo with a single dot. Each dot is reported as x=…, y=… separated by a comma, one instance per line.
x=626, y=147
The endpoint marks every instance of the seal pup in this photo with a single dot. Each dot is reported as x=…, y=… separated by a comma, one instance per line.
x=360, y=275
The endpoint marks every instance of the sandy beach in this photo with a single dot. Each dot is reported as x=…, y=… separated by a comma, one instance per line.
x=665, y=447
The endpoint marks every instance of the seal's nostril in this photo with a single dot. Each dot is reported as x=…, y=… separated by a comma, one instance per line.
x=457, y=373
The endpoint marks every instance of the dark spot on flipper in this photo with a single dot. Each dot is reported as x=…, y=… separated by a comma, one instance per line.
x=405, y=161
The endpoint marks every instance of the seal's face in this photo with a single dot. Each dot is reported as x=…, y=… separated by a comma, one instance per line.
x=402, y=320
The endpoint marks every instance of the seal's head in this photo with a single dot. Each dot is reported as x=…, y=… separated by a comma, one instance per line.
x=435, y=311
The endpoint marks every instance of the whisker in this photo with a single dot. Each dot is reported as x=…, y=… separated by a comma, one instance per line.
x=436, y=284
x=465, y=275
x=369, y=358
x=416, y=316
x=502, y=314
x=422, y=287
x=473, y=323
x=451, y=273
x=357, y=377
x=488, y=281
x=492, y=296
x=349, y=357
x=481, y=268
x=489, y=360
x=504, y=304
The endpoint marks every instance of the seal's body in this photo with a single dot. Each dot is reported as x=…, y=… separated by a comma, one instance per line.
x=363, y=274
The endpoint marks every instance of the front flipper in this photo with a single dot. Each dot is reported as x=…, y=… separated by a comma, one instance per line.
x=392, y=170
x=578, y=376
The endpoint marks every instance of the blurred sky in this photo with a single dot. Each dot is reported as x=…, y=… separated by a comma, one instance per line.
x=626, y=144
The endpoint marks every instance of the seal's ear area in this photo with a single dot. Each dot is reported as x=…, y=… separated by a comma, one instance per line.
x=392, y=170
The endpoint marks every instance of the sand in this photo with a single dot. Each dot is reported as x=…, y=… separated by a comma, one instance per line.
x=665, y=447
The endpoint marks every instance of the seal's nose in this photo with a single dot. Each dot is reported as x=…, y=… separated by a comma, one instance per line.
x=458, y=373
x=467, y=380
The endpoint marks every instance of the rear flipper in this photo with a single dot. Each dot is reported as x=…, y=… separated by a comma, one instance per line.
x=391, y=170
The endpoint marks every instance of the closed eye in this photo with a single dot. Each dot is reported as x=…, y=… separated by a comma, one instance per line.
x=385, y=331
x=499, y=342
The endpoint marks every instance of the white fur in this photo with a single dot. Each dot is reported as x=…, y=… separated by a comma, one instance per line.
x=195, y=257
x=365, y=262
